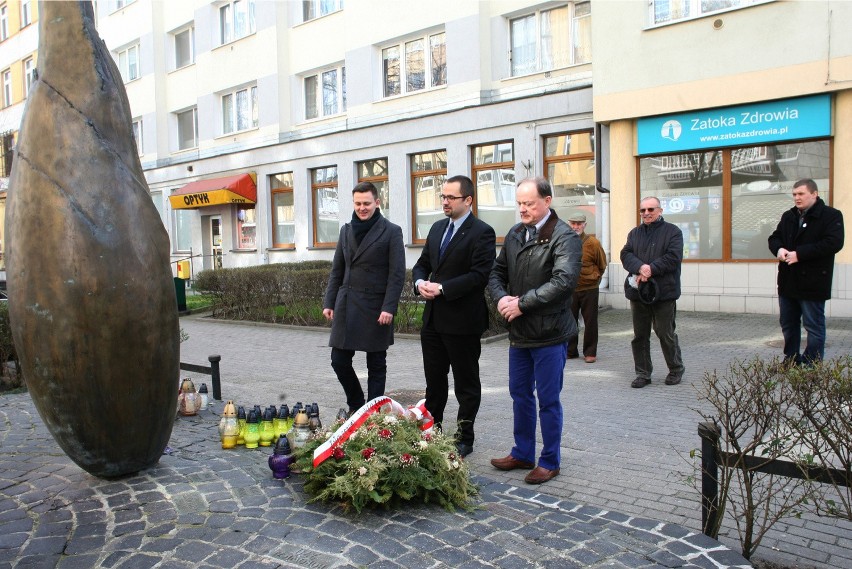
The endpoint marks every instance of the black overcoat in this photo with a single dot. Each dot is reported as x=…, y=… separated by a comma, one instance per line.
x=365, y=281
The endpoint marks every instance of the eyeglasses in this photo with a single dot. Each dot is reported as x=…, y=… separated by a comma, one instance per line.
x=450, y=198
x=646, y=209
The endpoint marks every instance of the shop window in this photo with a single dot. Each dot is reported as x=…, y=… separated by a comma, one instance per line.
x=727, y=202
x=184, y=47
x=239, y=110
x=428, y=174
x=494, y=180
x=187, y=128
x=136, y=127
x=4, y=22
x=550, y=39
x=326, y=209
x=283, y=212
x=569, y=165
x=182, y=237
x=157, y=198
x=376, y=172
x=325, y=93
x=246, y=227
x=29, y=75
x=312, y=9
x=236, y=20
x=415, y=65
x=668, y=11
x=128, y=63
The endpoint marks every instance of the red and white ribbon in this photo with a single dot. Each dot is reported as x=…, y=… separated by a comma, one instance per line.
x=359, y=417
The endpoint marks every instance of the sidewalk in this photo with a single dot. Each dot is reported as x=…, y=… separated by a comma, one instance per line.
x=620, y=501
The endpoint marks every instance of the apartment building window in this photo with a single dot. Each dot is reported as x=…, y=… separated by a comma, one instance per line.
x=187, y=128
x=376, y=172
x=246, y=227
x=236, y=20
x=136, y=126
x=316, y=8
x=415, y=65
x=283, y=210
x=26, y=13
x=7, y=153
x=494, y=181
x=184, y=47
x=668, y=11
x=7, y=87
x=128, y=63
x=325, y=93
x=428, y=174
x=550, y=39
x=29, y=75
x=569, y=163
x=727, y=202
x=119, y=4
x=4, y=22
x=326, y=212
x=239, y=110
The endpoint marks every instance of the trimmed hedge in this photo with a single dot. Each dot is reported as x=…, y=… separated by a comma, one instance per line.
x=291, y=293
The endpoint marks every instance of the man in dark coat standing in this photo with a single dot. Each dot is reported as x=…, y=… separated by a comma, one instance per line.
x=805, y=242
x=367, y=276
x=451, y=275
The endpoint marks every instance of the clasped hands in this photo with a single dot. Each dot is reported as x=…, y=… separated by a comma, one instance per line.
x=788, y=257
x=508, y=307
x=429, y=290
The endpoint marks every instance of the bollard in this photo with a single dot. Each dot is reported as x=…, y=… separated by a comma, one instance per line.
x=710, y=434
x=214, y=376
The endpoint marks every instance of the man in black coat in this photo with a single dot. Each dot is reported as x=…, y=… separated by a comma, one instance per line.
x=362, y=296
x=451, y=275
x=805, y=241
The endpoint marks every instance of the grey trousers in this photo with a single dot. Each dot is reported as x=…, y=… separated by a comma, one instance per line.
x=660, y=316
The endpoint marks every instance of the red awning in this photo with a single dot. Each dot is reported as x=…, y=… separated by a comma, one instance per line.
x=232, y=189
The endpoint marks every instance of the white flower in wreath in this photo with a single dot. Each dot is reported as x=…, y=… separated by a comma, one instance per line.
x=390, y=420
x=422, y=444
x=328, y=435
x=455, y=464
x=362, y=471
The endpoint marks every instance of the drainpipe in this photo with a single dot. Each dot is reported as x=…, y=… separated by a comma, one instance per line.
x=602, y=230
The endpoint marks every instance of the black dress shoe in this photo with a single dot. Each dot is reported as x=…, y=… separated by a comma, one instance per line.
x=464, y=449
x=673, y=379
x=640, y=382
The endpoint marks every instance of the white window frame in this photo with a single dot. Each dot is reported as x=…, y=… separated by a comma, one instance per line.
x=180, y=137
x=136, y=127
x=7, y=87
x=328, y=99
x=230, y=28
x=313, y=9
x=540, y=65
x=123, y=59
x=26, y=13
x=4, y=22
x=119, y=4
x=29, y=75
x=402, y=49
x=230, y=112
x=690, y=10
x=188, y=30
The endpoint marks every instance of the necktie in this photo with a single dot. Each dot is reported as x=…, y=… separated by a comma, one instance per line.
x=446, y=240
x=531, y=231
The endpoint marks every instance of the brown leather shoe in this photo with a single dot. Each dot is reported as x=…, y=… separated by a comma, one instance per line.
x=591, y=359
x=540, y=475
x=511, y=463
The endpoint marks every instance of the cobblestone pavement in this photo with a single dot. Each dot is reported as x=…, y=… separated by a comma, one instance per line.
x=622, y=499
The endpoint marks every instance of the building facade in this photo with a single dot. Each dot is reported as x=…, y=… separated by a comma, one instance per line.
x=707, y=107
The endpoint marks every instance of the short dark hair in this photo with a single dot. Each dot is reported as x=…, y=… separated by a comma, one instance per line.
x=808, y=183
x=542, y=186
x=465, y=183
x=363, y=187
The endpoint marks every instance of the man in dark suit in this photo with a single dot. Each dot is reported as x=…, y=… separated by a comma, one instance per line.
x=805, y=241
x=451, y=275
x=367, y=276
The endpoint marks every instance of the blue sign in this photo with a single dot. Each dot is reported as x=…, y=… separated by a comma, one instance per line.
x=758, y=123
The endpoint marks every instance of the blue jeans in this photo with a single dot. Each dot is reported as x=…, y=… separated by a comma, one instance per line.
x=795, y=313
x=341, y=361
x=537, y=371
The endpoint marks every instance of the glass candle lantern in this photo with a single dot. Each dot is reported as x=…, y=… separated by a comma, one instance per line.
x=252, y=436
x=267, y=429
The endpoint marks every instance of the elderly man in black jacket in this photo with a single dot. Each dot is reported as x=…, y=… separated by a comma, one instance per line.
x=653, y=255
x=367, y=275
x=805, y=241
x=532, y=282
